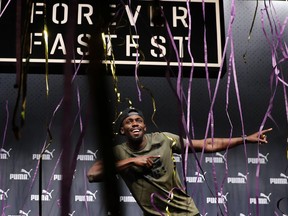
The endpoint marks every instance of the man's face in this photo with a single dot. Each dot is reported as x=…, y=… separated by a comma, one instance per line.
x=133, y=127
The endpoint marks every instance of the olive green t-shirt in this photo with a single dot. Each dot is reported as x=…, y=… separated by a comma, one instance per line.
x=158, y=189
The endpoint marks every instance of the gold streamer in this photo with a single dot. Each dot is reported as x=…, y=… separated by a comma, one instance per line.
x=250, y=31
x=22, y=84
x=45, y=34
x=115, y=78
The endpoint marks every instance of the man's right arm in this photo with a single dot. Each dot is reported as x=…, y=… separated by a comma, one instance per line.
x=95, y=173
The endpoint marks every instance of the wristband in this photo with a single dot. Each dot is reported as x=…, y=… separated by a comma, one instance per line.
x=244, y=138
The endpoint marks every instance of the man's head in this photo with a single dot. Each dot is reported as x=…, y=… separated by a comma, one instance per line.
x=131, y=123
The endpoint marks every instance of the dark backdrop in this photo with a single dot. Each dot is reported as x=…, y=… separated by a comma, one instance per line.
x=19, y=164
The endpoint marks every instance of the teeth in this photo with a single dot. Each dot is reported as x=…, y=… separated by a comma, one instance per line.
x=136, y=130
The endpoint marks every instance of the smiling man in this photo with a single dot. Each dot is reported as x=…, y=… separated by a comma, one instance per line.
x=146, y=164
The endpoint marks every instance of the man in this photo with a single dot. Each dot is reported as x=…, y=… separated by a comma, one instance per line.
x=145, y=162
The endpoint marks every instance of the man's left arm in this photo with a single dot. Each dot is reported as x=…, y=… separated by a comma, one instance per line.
x=219, y=144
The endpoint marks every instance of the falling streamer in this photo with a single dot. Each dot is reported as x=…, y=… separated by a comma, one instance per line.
x=45, y=33
x=228, y=37
x=49, y=139
x=22, y=51
x=211, y=115
x=137, y=60
x=4, y=9
x=251, y=29
x=6, y=124
x=180, y=94
x=240, y=110
x=274, y=41
x=169, y=197
x=188, y=117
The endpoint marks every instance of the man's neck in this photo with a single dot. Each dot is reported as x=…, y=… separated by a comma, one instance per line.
x=137, y=145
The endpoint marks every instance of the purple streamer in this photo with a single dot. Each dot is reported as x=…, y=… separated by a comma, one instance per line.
x=18, y=43
x=4, y=9
x=189, y=85
x=274, y=42
x=45, y=144
x=153, y=195
x=137, y=63
x=6, y=125
x=3, y=143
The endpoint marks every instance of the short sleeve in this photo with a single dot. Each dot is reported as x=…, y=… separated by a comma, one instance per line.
x=119, y=153
x=175, y=143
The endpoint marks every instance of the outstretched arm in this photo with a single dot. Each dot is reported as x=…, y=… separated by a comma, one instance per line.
x=219, y=144
x=95, y=173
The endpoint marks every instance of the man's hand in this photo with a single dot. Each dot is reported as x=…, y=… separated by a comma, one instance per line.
x=145, y=161
x=260, y=137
